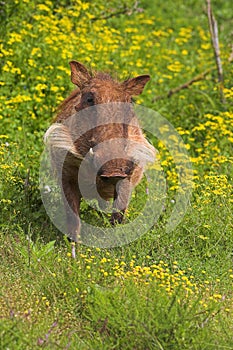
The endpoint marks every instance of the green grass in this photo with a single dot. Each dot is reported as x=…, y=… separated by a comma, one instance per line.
x=165, y=290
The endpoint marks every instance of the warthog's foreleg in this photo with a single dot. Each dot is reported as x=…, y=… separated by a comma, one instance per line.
x=121, y=200
x=65, y=161
x=71, y=199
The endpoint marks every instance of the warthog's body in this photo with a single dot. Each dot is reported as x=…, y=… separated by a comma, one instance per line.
x=100, y=151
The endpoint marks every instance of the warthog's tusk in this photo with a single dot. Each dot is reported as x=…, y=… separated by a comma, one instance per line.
x=58, y=138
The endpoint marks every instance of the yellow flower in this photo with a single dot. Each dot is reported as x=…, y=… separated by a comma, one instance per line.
x=31, y=62
x=54, y=88
x=204, y=238
x=14, y=38
x=43, y=7
x=40, y=87
x=206, y=46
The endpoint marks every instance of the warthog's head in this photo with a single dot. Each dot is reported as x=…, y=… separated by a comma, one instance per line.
x=104, y=109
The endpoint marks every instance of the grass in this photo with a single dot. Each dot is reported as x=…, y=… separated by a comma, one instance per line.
x=165, y=290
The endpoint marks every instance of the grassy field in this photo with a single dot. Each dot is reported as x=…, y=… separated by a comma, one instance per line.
x=166, y=290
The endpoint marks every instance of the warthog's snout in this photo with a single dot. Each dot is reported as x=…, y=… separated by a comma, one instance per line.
x=115, y=170
x=113, y=178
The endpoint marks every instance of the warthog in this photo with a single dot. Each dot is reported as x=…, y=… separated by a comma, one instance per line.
x=96, y=144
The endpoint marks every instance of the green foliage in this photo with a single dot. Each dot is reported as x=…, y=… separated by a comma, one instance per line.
x=165, y=290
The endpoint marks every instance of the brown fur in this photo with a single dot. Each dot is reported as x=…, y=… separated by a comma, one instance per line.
x=76, y=134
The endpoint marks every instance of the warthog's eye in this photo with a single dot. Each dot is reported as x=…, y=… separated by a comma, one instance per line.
x=89, y=99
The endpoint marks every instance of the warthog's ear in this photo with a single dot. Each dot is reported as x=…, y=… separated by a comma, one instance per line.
x=136, y=85
x=79, y=74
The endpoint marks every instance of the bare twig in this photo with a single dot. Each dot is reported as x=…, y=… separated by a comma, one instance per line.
x=213, y=26
x=230, y=59
x=113, y=14
x=186, y=85
x=125, y=10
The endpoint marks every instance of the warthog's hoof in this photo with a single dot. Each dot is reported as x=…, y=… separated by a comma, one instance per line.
x=116, y=218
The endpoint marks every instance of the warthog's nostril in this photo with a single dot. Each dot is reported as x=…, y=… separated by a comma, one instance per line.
x=100, y=172
x=105, y=178
x=113, y=178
